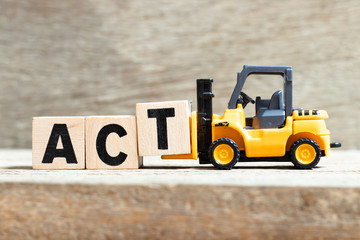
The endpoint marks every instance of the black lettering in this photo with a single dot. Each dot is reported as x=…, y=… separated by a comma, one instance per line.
x=161, y=114
x=101, y=144
x=59, y=130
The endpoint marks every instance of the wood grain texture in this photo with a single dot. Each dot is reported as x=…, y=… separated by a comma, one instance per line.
x=182, y=212
x=115, y=143
x=102, y=57
x=163, y=128
x=42, y=130
x=181, y=200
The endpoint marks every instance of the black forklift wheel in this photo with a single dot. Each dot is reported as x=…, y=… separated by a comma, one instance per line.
x=305, y=153
x=224, y=153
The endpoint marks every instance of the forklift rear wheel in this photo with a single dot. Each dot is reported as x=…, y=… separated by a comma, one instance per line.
x=224, y=153
x=305, y=153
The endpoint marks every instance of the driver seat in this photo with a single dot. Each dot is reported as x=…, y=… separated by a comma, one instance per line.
x=269, y=112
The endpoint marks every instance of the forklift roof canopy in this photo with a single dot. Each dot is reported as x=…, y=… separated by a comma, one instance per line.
x=284, y=71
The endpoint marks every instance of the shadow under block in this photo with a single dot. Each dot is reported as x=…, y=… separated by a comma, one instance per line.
x=163, y=128
x=58, y=143
x=111, y=143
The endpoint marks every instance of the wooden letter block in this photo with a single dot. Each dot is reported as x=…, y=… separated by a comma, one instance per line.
x=58, y=143
x=111, y=143
x=163, y=128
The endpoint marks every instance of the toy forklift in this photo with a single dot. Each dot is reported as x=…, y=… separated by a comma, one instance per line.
x=277, y=132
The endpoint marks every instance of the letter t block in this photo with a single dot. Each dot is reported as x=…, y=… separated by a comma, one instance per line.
x=163, y=128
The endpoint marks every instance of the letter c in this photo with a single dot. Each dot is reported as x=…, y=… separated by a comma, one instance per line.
x=101, y=144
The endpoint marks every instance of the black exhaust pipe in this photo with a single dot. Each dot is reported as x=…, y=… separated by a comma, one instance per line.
x=335, y=145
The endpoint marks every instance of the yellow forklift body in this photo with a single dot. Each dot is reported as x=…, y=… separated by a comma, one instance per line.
x=271, y=142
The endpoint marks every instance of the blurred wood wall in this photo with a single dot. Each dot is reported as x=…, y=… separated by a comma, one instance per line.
x=102, y=57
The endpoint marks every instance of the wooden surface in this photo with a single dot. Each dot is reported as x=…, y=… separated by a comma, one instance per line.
x=181, y=200
x=42, y=132
x=63, y=58
x=163, y=133
x=341, y=169
x=115, y=144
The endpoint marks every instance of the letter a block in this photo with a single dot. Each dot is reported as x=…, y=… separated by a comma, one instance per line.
x=58, y=143
x=111, y=143
x=163, y=128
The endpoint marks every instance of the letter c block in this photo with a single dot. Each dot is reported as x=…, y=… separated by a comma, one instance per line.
x=111, y=143
x=58, y=143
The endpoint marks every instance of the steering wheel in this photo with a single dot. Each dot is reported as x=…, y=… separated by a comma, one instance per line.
x=244, y=99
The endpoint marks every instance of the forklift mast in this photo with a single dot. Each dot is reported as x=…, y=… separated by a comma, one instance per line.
x=204, y=116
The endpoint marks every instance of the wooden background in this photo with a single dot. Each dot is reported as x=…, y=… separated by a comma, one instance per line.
x=102, y=57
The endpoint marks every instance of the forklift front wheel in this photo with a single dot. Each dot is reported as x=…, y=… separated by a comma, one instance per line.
x=305, y=153
x=224, y=153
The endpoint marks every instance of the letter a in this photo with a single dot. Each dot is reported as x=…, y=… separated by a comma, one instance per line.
x=59, y=130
